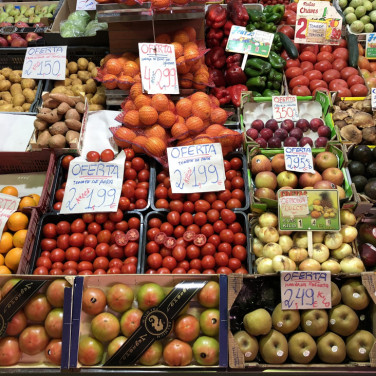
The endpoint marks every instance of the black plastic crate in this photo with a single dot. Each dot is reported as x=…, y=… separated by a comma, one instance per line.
x=55, y=218
x=240, y=217
x=159, y=168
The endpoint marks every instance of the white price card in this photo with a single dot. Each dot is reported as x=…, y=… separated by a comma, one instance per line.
x=373, y=99
x=86, y=5
x=305, y=290
x=285, y=107
x=8, y=205
x=45, y=63
x=196, y=168
x=93, y=186
x=299, y=159
x=158, y=68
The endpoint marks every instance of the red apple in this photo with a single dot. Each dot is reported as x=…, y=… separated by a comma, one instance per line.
x=325, y=160
x=20, y=24
x=278, y=163
x=334, y=175
x=265, y=193
x=260, y=163
x=3, y=42
x=18, y=42
x=309, y=180
x=266, y=179
x=32, y=36
x=324, y=184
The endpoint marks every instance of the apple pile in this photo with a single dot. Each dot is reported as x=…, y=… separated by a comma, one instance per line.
x=19, y=40
x=271, y=175
x=270, y=135
x=301, y=335
x=35, y=331
x=285, y=250
x=116, y=313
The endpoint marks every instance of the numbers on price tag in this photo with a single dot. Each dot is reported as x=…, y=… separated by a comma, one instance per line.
x=164, y=79
x=299, y=159
x=301, y=27
x=285, y=107
x=43, y=68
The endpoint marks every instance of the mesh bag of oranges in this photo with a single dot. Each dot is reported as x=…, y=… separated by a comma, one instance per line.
x=155, y=4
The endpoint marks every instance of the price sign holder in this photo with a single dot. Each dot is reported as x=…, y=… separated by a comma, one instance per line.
x=299, y=159
x=373, y=99
x=317, y=22
x=86, y=5
x=45, y=63
x=8, y=205
x=256, y=42
x=285, y=107
x=93, y=186
x=196, y=168
x=305, y=290
x=370, y=52
x=158, y=68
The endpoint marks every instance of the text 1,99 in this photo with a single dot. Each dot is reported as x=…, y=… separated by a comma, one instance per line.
x=196, y=177
x=43, y=68
x=298, y=163
x=162, y=78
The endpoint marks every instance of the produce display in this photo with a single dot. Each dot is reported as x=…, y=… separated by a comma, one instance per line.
x=19, y=40
x=359, y=15
x=79, y=24
x=20, y=14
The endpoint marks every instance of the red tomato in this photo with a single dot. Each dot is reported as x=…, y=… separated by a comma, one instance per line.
x=287, y=30
x=129, y=268
x=93, y=156
x=301, y=90
x=221, y=259
x=343, y=92
x=317, y=83
x=173, y=217
x=202, y=206
x=138, y=164
x=291, y=20
x=284, y=55
x=324, y=89
x=313, y=75
x=355, y=79
x=337, y=83
x=154, y=260
x=102, y=249
x=169, y=262
x=57, y=255
x=306, y=66
x=66, y=161
x=292, y=63
x=323, y=66
x=49, y=230
x=308, y=56
x=179, y=253
x=107, y=155
x=59, y=195
x=239, y=252
x=48, y=244
x=325, y=56
x=326, y=48
x=359, y=90
x=299, y=80
x=339, y=64
x=309, y=47
x=341, y=53
x=331, y=75
x=347, y=72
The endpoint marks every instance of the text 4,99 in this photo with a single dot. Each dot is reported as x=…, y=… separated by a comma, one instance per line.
x=196, y=177
x=101, y=198
x=43, y=68
x=163, y=78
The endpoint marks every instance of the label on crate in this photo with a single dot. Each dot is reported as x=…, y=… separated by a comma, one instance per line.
x=158, y=68
x=8, y=205
x=47, y=63
x=317, y=22
x=255, y=42
x=299, y=159
x=156, y=323
x=308, y=209
x=196, y=168
x=285, y=107
x=93, y=186
x=373, y=99
x=370, y=46
x=86, y=5
x=306, y=290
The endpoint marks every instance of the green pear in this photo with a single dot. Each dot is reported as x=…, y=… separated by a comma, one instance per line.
x=9, y=19
x=29, y=12
x=23, y=9
x=36, y=19
x=9, y=8
x=45, y=9
x=48, y=15
x=335, y=293
x=14, y=12
x=38, y=9
x=257, y=322
x=3, y=17
x=52, y=8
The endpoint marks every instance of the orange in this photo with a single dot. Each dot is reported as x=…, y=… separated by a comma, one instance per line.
x=194, y=124
x=181, y=2
x=2, y=259
x=163, y=38
x=180, y=119
x=6, y=242
x=201, y=109
x=200, y=96
x=139, y=143
x=207, y=122
x=181, y=65
x=191, y=33
x=137, y=78
x=166, y=118
x=202, y=140
x=113, y=66
x=214, y=101
x=125, y=82
x=131, y=68
x=156, y=131
x=137, y=61
x=189, y=45
x=9, y=190
x=159, y=102
x=185, y=141
x=159, y=4
x=122, y=60
x=184, y=107
x=35, y=197
x=25, y=202
x=136, y=89
x=19, y=238
x=18, y=221
x=186, y=80
x=199, y=85
x=181, y=37
x=214, y=130
x=171, y=106
x=12, y=258
x=178, y=49
x=110, y=81
x=4, y=270
x=218, y=116
x=196, y=66
x=148, y=115
x=191, y=53
x=132, y=118
x=142, y=100
x=155, y=146
x=129, y=105
x=226, y=137
x=106, y=58
x=122, y=135
x=179, y=131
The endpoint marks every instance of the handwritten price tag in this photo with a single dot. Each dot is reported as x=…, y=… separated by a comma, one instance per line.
x=196, y=168
x=86, y=5
x=8, y=205
x=158, y=68
x=305, y=290
x=93, y=186
x=371, y=46
x=45, y=63
x=285, y=107
x=299, y=159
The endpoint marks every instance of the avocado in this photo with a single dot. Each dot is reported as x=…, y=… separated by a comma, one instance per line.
x=359, y=182
x=370, y=190
x=356, y=168
x=371, y=170
x=363, y=153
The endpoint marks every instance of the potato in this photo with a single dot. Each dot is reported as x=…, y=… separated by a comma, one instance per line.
x=18, y=100
x=56, y=141
x=43, y=139
x=63, y=108
x=6, y=96
x=72, y=114
x=80, y=107
x=58, y=128
x=73, y=76
x=78, y=90
x=67, y=82
x=82, y=63
x=26, y=107
x=73, y=124
x=66, y=72
x=89, y=96
x=2, y=77
x=95, y=107
x=15, y=78
x=90, y=66
x=6, y=108
x=61, y=90
x=40, y=125
x=59, y=83
x=72, y=137
x=98, y=99
x=83, y=76
x=76, y=81
x=72, y=67
x=6, y=72
x=2, y=102
x=28, y=83
x=90, y=86
x=29, y=95
x=18, y=71
x=5, y=85
x=15, y=89
x=17, y=109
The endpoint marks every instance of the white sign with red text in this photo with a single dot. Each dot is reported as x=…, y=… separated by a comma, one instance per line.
x=285, y=107
x=8, y=205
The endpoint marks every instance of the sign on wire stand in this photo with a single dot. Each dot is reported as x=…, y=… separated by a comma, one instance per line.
x=196, y=168
x=93, y=186
x=8, y=205
x=47, y=63
x=86, y=5
x=370, y=52
x=285, y=107
x=299, y=159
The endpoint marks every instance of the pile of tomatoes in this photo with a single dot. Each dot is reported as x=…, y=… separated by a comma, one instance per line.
x=233, y=197
x=92, y=244
x=208, y=242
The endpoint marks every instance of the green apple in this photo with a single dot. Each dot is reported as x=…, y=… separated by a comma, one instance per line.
x=355, y=295
x=368, y=28
x=342, y=3
x=350, y=18
x=285, y=321
x=356, y=26
x=359, y=345
x=356, y=3
x=314, y=322
x=349, y=10
x=343, y=320
x=335, y=293
x=248, y=345
x=373, y=15
x=302, y=348
x=274, y=347
x=331, y=348
x=257, y=322
x=368, y=5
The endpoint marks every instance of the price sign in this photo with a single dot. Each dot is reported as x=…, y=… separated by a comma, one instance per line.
x=305, y=290
x=308, y=210
x=45, y=63
x=317, y=22
x=196, y=168
x=93, y=186
x=8, y=205
x=299, y=159
x=86, y=5
x=371, y=46
x=255, y=42
x=373, y=99
x=285, y=107
x=158, y=68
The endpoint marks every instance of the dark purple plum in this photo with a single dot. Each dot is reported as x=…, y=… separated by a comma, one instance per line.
x=324, y=131
x=281, y=134
x=305, y=141
x=290, y=141
x=302, y=124
x=297, y=133
x=257, y=124
x=287, y=124
x=315, y=124
x=266, y=133
x=271, y=124
x=253, y=133
x=274, y=142
x=263, y=144
x=321, y=142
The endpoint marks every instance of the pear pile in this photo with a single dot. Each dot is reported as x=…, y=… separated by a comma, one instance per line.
x=23, y=13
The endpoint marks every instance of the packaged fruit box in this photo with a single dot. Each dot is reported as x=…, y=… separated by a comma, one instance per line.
x=36, y=314
x=111, y=246
x=199, y=243
x=138, y=321
x=263, y=335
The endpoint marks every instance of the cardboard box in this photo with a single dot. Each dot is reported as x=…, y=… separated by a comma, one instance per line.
x=247, y=293
x=81, y=320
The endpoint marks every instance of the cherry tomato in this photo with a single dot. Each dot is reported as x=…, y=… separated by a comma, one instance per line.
x=167, y=228
x=207, y=230
x=72, y=254
x=107, y=155
x=194, y=228
x=128, y=268
x=199, y=240
x=44, y=261
x=173, y=218
x=202, y=206
x=46, y=254
x=66, y=161
x=133, y=235
x=193, y=271
x=151, y=233
x=93, y=156
x=189, y=207
x=208, y=249
x=152, y=247
x=104, y=236
x=101, y=217
x=57, y=265
x=195, y=264
x=169, y=262
x=154, y=260
x=78, y=225
x=155, y=222
x=63, y=241
x=223, y=196
x=193, y=251
x=93, y=228
x=138, y=164
x=239, y=252
x=129, y=154
x=161, y=192
x=115, y=251
x=41, y=270
x=176, y=205
x=208, y=262
x=48, y=244
x=49, y=230
x=124, y=203
x=224, y=270
x=179, y=253
x=63, y=227
x=115, y=263
x=178, y=271
x=134, y=223
x=179, y=231
x=121, y=239
x=235, y=227
x=143, y=176
x=102, y=249
x=169, y=243
x=70, y=265
x=200, y=219
x=214, y=239
x=57, y=255
x=233, y=203
x=131, y=249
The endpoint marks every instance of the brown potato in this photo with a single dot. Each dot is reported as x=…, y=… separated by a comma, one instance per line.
x=5, y=85
x=90, y=86
x=15, y=78
x=26, y=107
x=28, y=83
x=16, y=89
x=6, y=96
x=72, y=137
x=83, y=75
x=18, y=100
x=56, y=141
x=73, y=67
x=29, y=95
x=73, y=76
x=82, y=63
x=6, y=72
x=90, y=66
x=76, y=81
x=17, y=109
